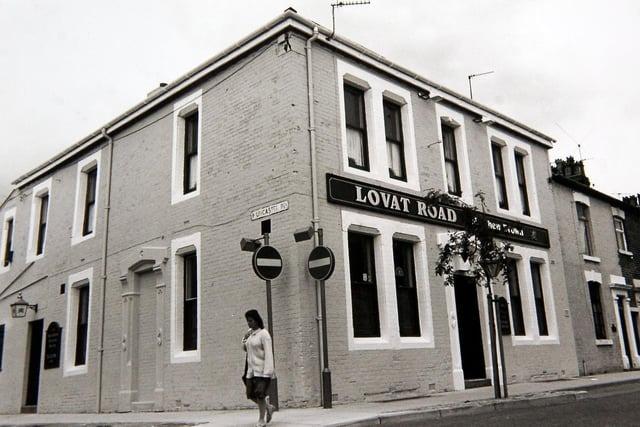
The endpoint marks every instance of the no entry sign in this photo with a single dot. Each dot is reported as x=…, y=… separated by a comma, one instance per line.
x=321, y=263
x=267, y=262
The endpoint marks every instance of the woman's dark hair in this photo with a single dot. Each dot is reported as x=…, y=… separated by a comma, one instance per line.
x=253, y=314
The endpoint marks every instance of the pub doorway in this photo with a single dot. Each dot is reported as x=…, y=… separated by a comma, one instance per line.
x=626, y=348
x=470, y=332
x=34, y=357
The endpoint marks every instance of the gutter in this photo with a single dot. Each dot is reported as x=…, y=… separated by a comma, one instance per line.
x=103, y=274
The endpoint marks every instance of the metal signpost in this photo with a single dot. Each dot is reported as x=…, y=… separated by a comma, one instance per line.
x=267, y=264
x=504, y=328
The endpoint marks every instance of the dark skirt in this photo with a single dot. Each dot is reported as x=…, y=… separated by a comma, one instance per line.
x=257, y=387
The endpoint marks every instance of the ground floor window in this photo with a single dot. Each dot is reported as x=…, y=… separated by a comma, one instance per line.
x=78, y=323
x=596, y=310
x=515, y=298
x=538, y=295
x=364, y=291
x=406, y=291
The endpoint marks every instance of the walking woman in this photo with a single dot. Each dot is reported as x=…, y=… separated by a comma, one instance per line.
x=259, y=365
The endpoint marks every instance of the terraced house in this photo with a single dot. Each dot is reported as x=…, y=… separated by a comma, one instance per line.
x=128, y=241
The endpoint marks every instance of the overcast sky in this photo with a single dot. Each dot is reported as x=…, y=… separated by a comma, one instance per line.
x=570, y=69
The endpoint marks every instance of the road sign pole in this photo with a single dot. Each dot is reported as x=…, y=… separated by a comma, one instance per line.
x=501, y=345
x=327, y=397
x=273, y=387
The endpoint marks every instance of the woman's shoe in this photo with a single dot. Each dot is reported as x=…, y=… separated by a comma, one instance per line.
x=270, y=409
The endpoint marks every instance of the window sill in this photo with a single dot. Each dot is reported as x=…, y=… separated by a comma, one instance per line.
x=415, y=342
x=32, y=258
x=75, y=370
x=186, y=356
x=604, y=342
x=79, y=239
x=591, y=258
x=530, y=340
x=518, y=216
x=627, y=253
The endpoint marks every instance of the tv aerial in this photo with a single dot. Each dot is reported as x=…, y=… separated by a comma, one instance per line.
x=341, y=4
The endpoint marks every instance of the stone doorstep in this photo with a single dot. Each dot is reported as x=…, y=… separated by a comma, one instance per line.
x=468, y=408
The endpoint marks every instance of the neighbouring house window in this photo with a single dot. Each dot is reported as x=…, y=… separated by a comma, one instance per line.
x=538, y=296
x=406, y=291
x=90, y=202
x=190, y=306
x=395, y=144
x=358, y=151
x=1, y=344
x=190, y=182
x=584, y=223
x=515, y=298
x=618, y=225
x=522, y=183
x=498, y=171
x=82, y=325
x=596, y=309
x=451, y=160
x=42, y=223
x=364, y=291
x=8, y=244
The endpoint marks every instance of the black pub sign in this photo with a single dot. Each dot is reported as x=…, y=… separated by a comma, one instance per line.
x=349, y=192
x=52, y=346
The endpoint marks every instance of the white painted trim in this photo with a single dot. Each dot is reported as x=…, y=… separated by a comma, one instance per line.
x=627, y=253
x=592, y=276
x=532, y=335
x=460, y=135
x=177, y=159
x=617, y=212
x=615, y=293
x=581, y=198
x=617, y=280
x=10, y=214
x=511, y=145
x=74, y=281
x=81, y=188
x=177, y=354
x=387, y=302
x=374, y=116
x=38, y=191
x=607, y=342
x=591, y=258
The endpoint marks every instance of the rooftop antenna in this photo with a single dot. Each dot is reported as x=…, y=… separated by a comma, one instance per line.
x=472, y=76
x=340, y=4
x=573, y=139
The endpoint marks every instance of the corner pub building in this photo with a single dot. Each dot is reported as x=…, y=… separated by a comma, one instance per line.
x=128, y=241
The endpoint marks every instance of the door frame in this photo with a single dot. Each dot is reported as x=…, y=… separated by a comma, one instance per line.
x=28, y=365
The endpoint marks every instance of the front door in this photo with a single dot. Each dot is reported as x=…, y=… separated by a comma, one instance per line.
x=469, y=330
x=146, y=360
x=34, y=353
x=623, y=325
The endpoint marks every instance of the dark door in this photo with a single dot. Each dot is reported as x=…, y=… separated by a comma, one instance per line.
x=469, y=331
x=623, y=325
x=33, y=365
x=634, y=319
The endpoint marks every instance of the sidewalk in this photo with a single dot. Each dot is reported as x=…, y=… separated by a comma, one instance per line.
x=432, y=407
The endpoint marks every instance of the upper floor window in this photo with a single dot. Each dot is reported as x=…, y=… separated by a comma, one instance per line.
x=187, y=147
x=498, y=172
x=40, y=207
x=585, y=239
x=1, y=344
x=621, y=240
x=395, y=143
x=452, y=170
x=190, y=180
x=357, y=149
x=6, y=241
x=377, y=131
x=596, y=310
x=42, y=223
x=522, y=183
x=86, y=201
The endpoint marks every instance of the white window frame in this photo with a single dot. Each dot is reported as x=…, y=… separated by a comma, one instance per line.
x=455, y=120
x=378, y=89
x=619, y=214
x=511, y=145
x=179, y=247
x=523, y=257
x=38, y=191
x=180, y=110
x=581, y=198
x=74, y=282
x=10, y=214
x=386, y=285
x=84, y=166
x=595, y=276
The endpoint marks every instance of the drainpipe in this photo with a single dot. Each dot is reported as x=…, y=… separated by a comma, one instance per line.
x=314, y=185
x=103, y=274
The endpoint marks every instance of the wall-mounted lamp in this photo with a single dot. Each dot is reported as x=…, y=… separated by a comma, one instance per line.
x=19, y=308
x=249, y=245
x=302, y=234
x=423, y=95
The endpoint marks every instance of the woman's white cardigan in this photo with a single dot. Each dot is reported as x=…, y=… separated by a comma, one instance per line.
x=259, y=354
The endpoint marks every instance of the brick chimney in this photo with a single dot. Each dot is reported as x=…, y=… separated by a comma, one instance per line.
x=572, y=169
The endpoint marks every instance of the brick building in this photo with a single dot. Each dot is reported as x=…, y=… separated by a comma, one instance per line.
x=598, y=264
x=129, y=240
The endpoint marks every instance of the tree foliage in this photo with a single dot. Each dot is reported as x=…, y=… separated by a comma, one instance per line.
x=475, y=244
